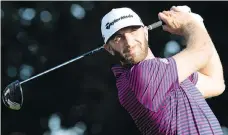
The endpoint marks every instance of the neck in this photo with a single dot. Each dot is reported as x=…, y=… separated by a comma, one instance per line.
x=150, y=55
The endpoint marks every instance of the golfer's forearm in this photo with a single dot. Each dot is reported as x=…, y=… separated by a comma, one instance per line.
x=214, y=68
x=199, y=44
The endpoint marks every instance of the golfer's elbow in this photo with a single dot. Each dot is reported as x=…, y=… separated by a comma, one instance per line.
x=220, y=88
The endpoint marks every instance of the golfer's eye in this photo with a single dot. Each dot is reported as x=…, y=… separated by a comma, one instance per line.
x=117, y=38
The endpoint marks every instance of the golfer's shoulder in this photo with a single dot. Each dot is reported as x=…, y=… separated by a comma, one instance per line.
x=155, y=63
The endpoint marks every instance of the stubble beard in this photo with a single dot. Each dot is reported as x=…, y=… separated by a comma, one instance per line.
x=138, y=56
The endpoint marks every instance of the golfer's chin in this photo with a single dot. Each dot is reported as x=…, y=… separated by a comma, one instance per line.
x=132, y=60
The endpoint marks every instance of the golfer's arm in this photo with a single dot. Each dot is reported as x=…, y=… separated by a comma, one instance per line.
x=200, y=55
x=211, y=80
x=197, y=53
x=214, y=67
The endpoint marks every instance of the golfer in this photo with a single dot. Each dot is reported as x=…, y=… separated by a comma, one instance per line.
x=165, y=96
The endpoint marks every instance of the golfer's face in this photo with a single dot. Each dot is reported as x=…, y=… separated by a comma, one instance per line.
x=130, y=44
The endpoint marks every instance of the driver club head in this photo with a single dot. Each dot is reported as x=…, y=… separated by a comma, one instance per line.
x=12, y=96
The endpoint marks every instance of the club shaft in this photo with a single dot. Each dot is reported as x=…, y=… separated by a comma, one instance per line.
x=150, y=27
x=63, y=64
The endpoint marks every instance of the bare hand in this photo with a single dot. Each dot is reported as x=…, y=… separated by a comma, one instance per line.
x=176, y=21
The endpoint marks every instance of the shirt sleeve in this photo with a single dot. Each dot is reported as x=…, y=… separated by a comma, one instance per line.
x=151, y=80
x=194, y=78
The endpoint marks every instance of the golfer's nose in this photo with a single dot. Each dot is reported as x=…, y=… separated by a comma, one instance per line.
x=129, y=39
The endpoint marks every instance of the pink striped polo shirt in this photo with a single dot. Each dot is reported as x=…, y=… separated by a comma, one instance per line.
x=159, y=105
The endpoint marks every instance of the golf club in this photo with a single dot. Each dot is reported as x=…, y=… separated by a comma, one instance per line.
x=12, y=95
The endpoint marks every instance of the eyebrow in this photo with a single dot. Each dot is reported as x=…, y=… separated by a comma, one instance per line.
x=129, y=27
x=118, y=32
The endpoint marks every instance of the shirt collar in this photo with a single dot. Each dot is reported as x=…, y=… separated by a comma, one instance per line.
x=118, y=70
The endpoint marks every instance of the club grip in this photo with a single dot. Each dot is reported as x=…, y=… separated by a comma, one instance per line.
x=155, y=25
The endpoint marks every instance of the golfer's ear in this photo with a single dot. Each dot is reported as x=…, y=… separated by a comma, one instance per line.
x=146, y=32
x=109, y=49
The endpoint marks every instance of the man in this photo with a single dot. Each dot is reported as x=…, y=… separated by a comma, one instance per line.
x=165, y=95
